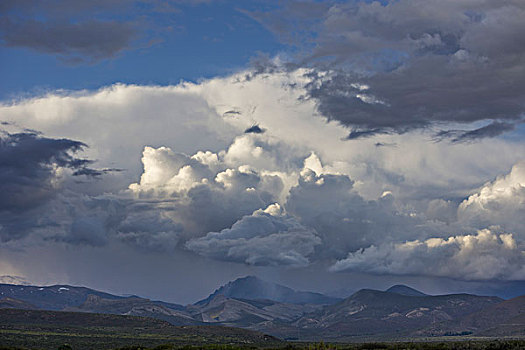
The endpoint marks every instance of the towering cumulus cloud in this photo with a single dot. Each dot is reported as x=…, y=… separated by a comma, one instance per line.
x=204, y=192
x=501, y=202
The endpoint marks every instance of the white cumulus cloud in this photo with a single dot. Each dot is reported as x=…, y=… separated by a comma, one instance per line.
x=483, y=256
x=501, y=202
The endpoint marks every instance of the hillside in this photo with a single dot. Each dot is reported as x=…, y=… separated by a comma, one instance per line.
x=135, y=306
x=371, y=312
x=503, y=319
x=50, y=329
x=56, y=297
x=12, y=303
x=248, y=313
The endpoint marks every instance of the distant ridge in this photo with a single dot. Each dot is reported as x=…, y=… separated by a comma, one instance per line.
x=405, y=290
x=253, y=288
x=400, y=312
x=12, y=303
x=60, y=297
x=56, y=297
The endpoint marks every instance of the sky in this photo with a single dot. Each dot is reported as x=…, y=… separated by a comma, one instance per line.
x=163, y=148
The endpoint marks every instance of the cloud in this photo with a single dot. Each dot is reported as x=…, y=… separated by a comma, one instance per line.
x=75, y=31
x=89, y=41
x=491, y=130
x=191, y=169
x=79, y=32
x=190, y=117
x=16, y=280
x=30, y=166
x=87, y=230
x=330, y=204
x=40, y=198
x=501, y=202
x=206, y=191
x=484, y=256
x=256, y=129
x=267, y=237
x=409, y=64
x=355, y=134
x=35, y=175
x=149, y=230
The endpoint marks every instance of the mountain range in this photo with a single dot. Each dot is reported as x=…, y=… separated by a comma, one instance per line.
x=251, y=303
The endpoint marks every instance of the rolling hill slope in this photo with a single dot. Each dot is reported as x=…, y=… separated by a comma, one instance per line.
x=50, y=329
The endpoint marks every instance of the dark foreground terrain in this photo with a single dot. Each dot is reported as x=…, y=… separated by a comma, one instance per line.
x=36, y=329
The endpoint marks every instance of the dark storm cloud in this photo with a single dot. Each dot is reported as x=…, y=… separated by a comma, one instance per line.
x=27, y=167
x=256, y=129
x=267, y=237
x=356, y=134
x=95, y=172
x=393, y=67
x=491, y=130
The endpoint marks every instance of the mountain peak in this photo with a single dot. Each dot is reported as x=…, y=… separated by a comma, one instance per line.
x=254, y=288
x=405, y=290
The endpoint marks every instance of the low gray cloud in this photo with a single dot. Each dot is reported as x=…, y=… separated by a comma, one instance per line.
x=484, y=256
x=87, y=41
x=267, y=237
x=74, y=31
x=34, y=173
x=28, y=163
x=87, y=231
x=400, y=65
x=148, y=228
x=79, y=32
x=344, y=219
x=491, y=130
